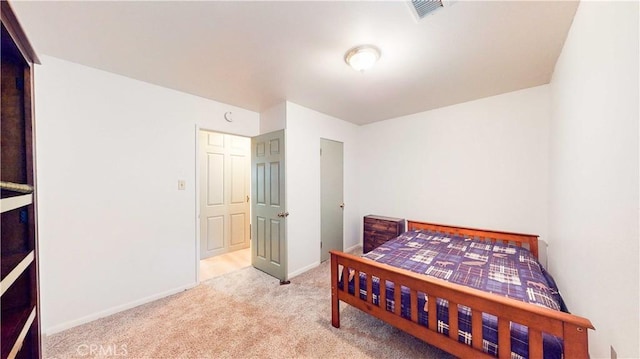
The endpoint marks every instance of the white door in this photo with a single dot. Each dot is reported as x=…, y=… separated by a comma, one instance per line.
x=268, y=229
x=224, y=193
x=331, y=197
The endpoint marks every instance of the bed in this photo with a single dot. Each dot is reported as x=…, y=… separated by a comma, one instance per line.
x=470, y=322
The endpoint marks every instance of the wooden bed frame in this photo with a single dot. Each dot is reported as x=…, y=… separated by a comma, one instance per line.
x=572, y=329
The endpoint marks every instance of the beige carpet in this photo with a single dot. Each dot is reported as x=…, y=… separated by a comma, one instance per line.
x=244, y=314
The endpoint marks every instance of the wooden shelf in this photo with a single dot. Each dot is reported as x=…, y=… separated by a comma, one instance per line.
x=11, y=203
x=19, y=280
x=12, y=267
x=15, y=325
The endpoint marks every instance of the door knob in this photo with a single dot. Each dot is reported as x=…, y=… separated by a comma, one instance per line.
x=342, y=205
x=283, y=214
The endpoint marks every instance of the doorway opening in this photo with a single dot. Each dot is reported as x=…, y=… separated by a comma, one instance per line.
x=224, y=263
x=224, y=164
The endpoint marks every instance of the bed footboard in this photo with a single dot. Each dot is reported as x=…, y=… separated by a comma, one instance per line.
x=570, y=328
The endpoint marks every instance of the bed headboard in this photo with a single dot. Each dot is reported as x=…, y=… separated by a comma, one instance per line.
x=529, y=241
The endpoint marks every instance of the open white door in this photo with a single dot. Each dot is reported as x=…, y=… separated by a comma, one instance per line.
x=224, y=193
x=268, y=227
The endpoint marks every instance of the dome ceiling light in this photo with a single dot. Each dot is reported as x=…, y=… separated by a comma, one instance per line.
x=362, y=57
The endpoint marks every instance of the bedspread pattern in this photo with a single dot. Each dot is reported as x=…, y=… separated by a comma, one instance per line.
x=497, y=268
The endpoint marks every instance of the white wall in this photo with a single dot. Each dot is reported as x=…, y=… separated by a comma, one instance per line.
x=274, y=118
x=481, y=164
x=594, y=185
x=305, y=127
x=114, y=229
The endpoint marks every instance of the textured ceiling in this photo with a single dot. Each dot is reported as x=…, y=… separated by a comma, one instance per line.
x=257, y=54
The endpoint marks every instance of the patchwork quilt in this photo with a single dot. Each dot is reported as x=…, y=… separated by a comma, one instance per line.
x=502, y=269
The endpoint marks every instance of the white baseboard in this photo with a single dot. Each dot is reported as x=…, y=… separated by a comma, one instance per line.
x=315, y=264
x=352, y=248
x=304, y=269
x=113, y=310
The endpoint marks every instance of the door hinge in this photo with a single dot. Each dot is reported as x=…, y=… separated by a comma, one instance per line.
x=320, y=245
x=321, y=152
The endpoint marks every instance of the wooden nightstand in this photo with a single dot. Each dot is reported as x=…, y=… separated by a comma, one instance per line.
x=379, y=229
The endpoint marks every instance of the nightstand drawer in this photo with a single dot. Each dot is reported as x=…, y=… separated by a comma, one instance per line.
x=379, y=226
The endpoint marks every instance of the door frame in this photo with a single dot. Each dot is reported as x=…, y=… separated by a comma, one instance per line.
x=197, y=193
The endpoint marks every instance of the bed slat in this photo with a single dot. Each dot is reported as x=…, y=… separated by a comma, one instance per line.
x=535, y=344
x=433, y=312
x=504, y=338
x=414, y=306
x=369, y=288
x=453, y=320
x=356, y=290
x=396, y=298
x=476, y=329
x=383, y=293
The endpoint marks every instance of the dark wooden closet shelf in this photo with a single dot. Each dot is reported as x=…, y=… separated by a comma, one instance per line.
x=4, y=194
x=19, y=294
x=14, y=323
x=11, y=262
x=11, y=203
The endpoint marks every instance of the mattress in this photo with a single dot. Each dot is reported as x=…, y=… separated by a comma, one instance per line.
x=501, y=269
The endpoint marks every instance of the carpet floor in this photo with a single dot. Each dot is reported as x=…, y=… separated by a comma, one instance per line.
x=243, y=314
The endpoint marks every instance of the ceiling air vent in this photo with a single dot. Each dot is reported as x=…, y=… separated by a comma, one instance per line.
x=423, y=8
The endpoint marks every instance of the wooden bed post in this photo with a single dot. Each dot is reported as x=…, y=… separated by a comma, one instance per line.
x=576, y=344
x=533, y=247
x=335, y=301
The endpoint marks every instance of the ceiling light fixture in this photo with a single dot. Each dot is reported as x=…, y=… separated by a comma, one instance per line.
x=362, y=57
